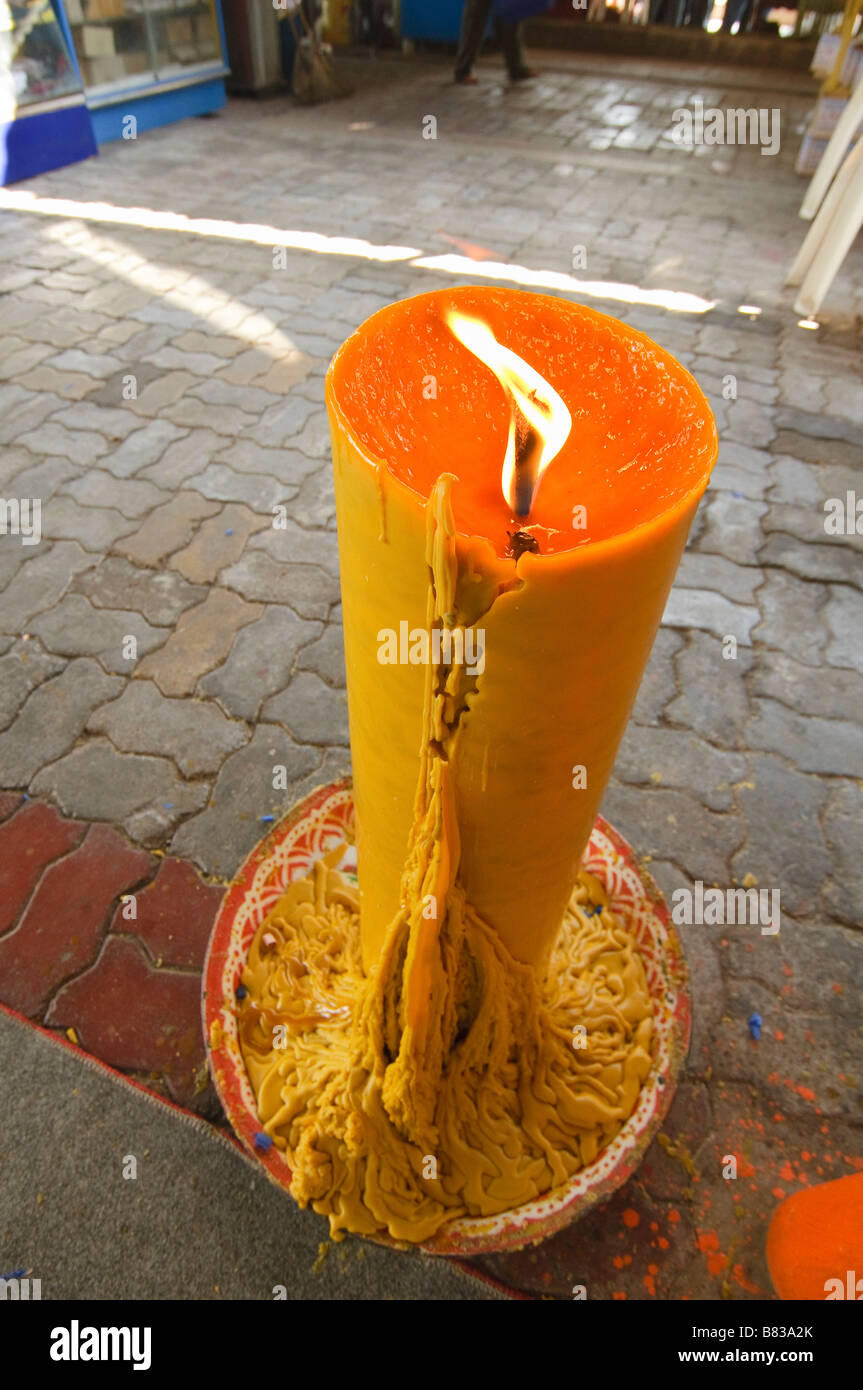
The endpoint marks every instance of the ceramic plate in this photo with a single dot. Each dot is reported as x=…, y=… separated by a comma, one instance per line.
x=315, y=826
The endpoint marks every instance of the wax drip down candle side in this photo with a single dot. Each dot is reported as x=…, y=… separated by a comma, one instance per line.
x=432, y=1015
x=568, y=599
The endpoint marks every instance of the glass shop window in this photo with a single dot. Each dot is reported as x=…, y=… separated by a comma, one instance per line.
x=120, y=39
x=35, y=64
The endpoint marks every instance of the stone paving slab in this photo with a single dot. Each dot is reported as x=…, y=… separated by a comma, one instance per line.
x=163, y=394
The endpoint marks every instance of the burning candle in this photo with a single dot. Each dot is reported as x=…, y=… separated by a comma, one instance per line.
x=515, y=478
x=578, y=452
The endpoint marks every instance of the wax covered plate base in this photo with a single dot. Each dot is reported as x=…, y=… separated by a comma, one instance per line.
x=314, y=829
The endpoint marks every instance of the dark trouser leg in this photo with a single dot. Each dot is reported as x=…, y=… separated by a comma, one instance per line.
x=510, y=40
x=735, y=11
x=473, y=21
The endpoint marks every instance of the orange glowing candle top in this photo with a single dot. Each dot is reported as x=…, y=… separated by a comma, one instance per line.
x=422, y=400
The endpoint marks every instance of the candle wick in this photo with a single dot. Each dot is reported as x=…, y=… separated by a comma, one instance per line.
x=528, y=450
x=519, y=542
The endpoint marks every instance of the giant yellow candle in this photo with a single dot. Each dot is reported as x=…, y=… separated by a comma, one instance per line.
x=566, y=630
x=515, y=478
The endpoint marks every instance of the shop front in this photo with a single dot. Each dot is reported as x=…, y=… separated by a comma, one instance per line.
x=75, y=74
x=44, y=121
x=152, y=60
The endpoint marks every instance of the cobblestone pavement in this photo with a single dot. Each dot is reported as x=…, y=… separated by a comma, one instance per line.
x=162, y=393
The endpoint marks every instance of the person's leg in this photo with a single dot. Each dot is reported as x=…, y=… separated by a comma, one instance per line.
x=473, y=21
x=512, y=46
x=734, y=14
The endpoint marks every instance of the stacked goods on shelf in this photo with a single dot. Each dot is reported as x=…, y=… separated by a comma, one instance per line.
x=97, y=52
x=103, y=9
x=189, y=36
x=178, y=29
x=101, y=45
x=95, y=41
x=111, y=36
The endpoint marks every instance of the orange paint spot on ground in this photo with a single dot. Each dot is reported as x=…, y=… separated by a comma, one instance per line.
x=806, y=1156
x=631, y=1218
x=744, y=1168
x=650, y=1284
x=618, y=1296
x=708, y=1244
x=674, y=1216
x=663, y=1243
x=654, y=1225
x=546, y=1278
x=786, y=970
x=778, y=1035
x=742, y=1280
x=786, y=1172
x=653, y=1269
x=468, y=248
x=838, y=989
x=778, y=1194
x=806, y=1092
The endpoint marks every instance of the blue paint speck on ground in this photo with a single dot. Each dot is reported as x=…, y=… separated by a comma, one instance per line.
x=755, y=1023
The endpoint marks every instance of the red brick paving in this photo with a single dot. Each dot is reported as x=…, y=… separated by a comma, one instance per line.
x=9, y=802
x=175, y=915
x=63, y=925
x=137, y=1017
x=32, y=839
x=61, y=882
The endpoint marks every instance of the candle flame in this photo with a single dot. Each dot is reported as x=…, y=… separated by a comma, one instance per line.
x=539, y=420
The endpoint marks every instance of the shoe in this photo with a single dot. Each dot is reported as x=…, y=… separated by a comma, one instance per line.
x=469, y=80
x=523, y=75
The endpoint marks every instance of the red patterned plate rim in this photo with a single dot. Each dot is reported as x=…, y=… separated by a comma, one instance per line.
x=315, y=825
